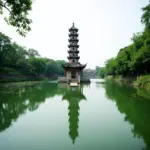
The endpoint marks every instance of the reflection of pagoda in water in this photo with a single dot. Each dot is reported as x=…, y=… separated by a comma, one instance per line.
x=74, y=96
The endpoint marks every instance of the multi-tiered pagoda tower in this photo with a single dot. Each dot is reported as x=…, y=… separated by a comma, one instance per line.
x=73, y=68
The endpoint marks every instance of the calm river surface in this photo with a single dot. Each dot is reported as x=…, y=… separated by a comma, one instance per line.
x=96, y=116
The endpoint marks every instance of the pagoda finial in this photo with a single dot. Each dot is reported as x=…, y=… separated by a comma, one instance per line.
x=73, y=24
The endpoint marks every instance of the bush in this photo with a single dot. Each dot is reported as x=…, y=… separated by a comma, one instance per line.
x=143, y=81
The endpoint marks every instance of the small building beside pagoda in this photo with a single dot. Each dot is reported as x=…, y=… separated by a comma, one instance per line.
x=73, y=69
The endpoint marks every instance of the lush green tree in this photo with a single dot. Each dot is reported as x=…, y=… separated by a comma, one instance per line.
x=59, y=64
x=19, y=55
x=17, y=59
x=54, y=67
x=110, y=68
x=18, y=14
x=146, y=16
x=122, y=61
x=51, y=67
x=133, y=59
x=5, y=49
x=101, y=72
x=33, y=53
x=38, y=65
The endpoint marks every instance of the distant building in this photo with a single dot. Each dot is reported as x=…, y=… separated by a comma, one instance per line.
x=90, y=73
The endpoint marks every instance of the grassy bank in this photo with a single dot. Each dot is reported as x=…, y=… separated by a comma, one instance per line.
x=7, y=78
x=142, y=81
x=120, y=79
x=20, y=79
x=11, y=75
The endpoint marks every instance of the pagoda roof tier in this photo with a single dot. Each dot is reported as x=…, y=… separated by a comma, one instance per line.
x=73, y=29
x=73, y=57
x=72, y=51
x=73, y=40
x=72, y=45
x=74, y=66
x=73, y=34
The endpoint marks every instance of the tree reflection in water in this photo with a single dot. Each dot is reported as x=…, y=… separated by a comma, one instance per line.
x=135, y=104
x=13, y=104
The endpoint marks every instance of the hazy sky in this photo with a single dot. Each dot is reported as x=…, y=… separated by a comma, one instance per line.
x=104, y=26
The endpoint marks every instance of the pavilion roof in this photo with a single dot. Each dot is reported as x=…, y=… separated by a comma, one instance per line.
x=74, y=65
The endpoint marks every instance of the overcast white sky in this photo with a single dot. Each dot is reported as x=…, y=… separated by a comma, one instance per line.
x=105, y=26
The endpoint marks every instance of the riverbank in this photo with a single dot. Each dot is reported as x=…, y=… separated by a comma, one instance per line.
x=142, y=81
x=12, y=83
x=8, y=78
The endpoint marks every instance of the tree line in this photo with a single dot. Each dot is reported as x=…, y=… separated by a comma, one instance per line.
x=134, y=59
x=16, y=59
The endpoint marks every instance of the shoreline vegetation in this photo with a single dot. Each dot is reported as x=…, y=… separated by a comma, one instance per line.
x=17, y=63
x=142, y=81
x=132, y=63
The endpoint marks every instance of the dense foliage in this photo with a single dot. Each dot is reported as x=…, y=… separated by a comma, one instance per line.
x=18, y=14
x=135, y=58
x=16, y=59
x=143, y=82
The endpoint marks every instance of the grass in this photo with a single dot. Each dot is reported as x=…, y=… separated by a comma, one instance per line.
x=143, y=81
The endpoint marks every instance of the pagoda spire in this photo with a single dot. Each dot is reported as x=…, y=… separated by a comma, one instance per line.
x=73, y=45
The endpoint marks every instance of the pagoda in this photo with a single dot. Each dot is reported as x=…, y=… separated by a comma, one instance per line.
x=73, y=68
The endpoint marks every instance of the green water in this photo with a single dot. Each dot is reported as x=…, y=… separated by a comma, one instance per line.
x=51, y=116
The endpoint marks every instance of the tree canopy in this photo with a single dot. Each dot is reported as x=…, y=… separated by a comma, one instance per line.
x=18, y=14
x=133, y=59
x=17, y=59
